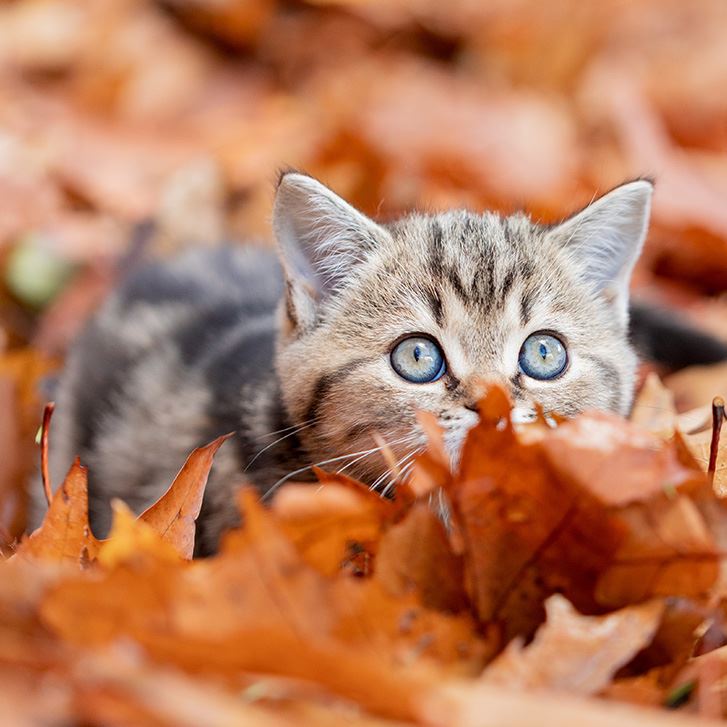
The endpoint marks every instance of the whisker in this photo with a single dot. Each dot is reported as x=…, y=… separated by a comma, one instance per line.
x=405, y=465
x=384, y=445
x=310, y=422
x=316, y=464
x=361, y=454
x=298, y=428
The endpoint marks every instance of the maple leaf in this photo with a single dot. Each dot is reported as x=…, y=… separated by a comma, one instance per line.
x=415, y=556
x=654, y=408
x=329, y=526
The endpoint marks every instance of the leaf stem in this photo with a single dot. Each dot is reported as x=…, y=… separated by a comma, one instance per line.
x=47, y=414
x=718, y=416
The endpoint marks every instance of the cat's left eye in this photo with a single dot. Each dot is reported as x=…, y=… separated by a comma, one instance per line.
x=543, y=356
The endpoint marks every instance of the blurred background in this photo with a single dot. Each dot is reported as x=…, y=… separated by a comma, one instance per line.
x=114, y=113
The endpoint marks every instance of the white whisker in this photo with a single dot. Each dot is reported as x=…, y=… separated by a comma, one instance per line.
x=296, y=430
x=310, y=422
x=316, y=464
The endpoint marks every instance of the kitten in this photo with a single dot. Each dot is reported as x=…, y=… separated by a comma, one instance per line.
x=319, y=357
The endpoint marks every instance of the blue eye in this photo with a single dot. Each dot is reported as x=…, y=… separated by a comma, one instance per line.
x=543, y=356
x=418, y=359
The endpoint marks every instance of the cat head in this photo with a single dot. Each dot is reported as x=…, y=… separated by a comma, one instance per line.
x=382, y=320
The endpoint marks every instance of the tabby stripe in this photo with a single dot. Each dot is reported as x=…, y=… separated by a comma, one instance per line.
x=325, y=382
x=526, y=306
x=457, y=285
x=507, y=282
x=436, y=252
x=435, y=303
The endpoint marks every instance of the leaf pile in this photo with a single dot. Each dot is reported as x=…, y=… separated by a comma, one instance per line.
x=578, y=561
x=581, y=569
x=132, y=128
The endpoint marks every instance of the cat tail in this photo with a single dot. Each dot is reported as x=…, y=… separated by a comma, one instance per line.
x=662, y=336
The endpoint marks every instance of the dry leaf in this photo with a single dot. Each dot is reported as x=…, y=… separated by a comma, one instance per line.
x=330, y=524
x=65, y=534
x=574, y=653
x=591, y=510
x=415, y=556
x=174, y=514
x=654, y=408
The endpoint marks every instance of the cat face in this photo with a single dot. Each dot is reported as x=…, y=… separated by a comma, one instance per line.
x=382, y=321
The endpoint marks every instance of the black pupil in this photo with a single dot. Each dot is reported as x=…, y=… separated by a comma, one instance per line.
x=543, y=351
x=417, y=353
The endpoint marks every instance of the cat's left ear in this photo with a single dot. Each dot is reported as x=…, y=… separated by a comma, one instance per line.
x=321, y=239
x=605, y=240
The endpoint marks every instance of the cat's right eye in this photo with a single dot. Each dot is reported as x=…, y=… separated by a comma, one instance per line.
x=418, y=359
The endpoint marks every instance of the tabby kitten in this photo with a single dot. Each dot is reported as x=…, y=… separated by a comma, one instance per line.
x=320, y=357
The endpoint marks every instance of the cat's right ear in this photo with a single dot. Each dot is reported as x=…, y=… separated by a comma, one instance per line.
x=321, y=238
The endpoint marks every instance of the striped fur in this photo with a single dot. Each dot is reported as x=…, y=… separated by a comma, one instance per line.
x=228, y=340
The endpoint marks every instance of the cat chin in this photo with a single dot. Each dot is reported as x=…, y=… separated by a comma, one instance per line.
x=454, y=436
x=523, y=415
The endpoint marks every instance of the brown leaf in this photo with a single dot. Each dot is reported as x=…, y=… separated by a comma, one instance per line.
x=590, y=509
x=616, y=461
x=11, y=499
x=697, y=385
x=415, y=556
x=173, y=516
x=575, y=653
x=64, y=534
x=132, y=540
x=654, y=408
x=259, y=607
x=329, y=524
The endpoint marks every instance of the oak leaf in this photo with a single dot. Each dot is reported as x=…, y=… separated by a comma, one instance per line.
x=259, y=607
x=593, y=509
x=575, y=653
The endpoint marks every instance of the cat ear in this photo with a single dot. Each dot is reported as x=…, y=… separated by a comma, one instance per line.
x=321, y=238
x=605, y=240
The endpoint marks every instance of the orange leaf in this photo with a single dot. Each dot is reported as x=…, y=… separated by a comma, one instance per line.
x=173, y=516
x=65, y=534
x=257, y=606
x=415, y=556
x=589, y=509
x=575, y=653
x=329, y=524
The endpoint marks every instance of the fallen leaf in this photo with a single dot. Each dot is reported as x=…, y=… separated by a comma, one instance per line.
x=173, y=516
x=654, y=408
x=698, y=385
x=592, y=510
x=64, y=534
x=575, y=653
x=329, y=524
x=272, y=613
x=414, y=556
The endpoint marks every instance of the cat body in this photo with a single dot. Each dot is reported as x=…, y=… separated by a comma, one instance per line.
x=180, y=354
x=318, y=354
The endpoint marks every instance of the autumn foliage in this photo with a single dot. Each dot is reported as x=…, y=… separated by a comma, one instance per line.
x=581, y=559
x=567, y=573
